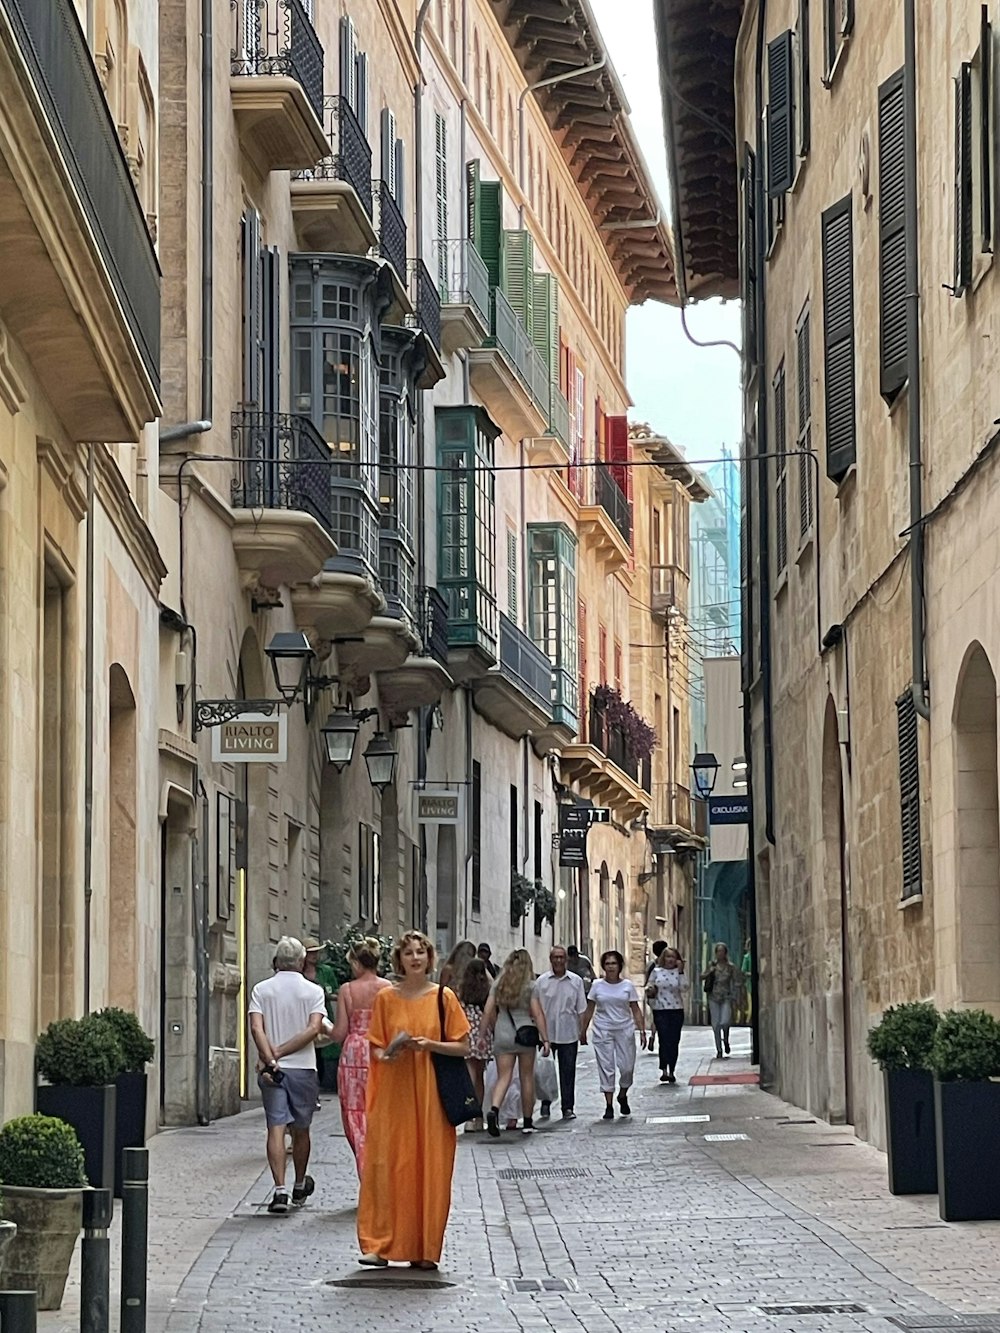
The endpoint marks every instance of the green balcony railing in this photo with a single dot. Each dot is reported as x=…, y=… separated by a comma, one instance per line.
x=511, y=337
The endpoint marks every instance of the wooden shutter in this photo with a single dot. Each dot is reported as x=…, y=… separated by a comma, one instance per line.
x=512, y=574
x=963, y=179
x=781, y=475
x=399, y=168
x=518, y=275
x=581, y=654
x=780, y=115
x=545, y=321
x=749, y=256
x=271, y=266
x=838, y=337
x=252, y=314
x=348, y=62
x=893, y=358
x=361, y=90
x=804, y=434
x=387, y=166
x=986, y=136
x=804, y=117
x=441, y=198
x=618, y=453
x=909, y=794
x=485, y=208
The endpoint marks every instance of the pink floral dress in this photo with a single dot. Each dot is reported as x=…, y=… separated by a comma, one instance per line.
x=480, y=1043
x=352, y=1082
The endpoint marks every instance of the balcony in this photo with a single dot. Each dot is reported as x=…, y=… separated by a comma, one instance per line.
x=79, y=281
x=553, y=446
x=509, y=375
x=390, y=228
x=465, y=294
x=676, y=822
x=565, y=723
x=276, y=84
x=516, y=694
x=332, y=201
x=382, y=647
x=427, y=318
x=605, y=514
x=668, y=591
x=422, y=679
x=605, y=769
x=472, y=629
x=434, y=624
x=281, y=499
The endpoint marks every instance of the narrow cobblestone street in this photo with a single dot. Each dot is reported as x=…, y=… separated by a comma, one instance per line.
x=713, y=1208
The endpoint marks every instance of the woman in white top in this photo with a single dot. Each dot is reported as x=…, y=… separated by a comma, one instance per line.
x=613, y=1005
x=665, y=990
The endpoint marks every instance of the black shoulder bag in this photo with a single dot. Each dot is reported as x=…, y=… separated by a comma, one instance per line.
x=527, y=1035
x=458, y=1096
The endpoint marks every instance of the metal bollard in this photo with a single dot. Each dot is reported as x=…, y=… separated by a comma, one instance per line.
x=17, y=1312
x=135, y=1238
x=95, y=1261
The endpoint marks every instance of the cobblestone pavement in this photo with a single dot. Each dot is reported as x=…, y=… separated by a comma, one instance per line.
x=711, y=1209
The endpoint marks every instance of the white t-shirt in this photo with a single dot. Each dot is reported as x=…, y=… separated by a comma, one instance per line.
x=613, y=1012
x=287, y=1002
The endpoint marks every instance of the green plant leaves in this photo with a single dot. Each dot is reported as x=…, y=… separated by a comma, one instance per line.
x=903, y=1039
x=966, y=1046
x=41, y=1152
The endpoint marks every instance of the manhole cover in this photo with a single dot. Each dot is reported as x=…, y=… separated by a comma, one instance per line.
x=725, y=1138
x=836, y=1307
x=542, y=1173
x=388, y=1282
x=539, y=1284
x=967, y=1323
x=676, y=1119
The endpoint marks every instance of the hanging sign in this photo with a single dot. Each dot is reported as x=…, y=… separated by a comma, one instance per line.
x=251, y=738
x=729, y=809
x=574, y=823
x=443, y=806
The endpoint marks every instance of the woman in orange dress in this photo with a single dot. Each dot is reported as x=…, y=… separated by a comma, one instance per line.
x=410, y=1148
x=354, y=1011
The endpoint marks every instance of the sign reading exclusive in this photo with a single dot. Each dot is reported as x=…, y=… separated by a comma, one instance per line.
x=253, y=738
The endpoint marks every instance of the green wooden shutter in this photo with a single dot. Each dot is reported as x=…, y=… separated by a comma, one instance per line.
x=518, y=275
x=749, y=257
x=837, y=235
x=804, y=114
x=485, y=218
x=963, y=179
x=986, y=101
x=780, y=115
x=545, y=321
x=892, y=237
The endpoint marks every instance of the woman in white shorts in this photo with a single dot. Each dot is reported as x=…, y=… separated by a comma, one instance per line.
x=613, y=1006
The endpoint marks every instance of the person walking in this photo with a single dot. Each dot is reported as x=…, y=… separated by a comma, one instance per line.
x=581, y=965
x=666, y=986
x=723, y=985
x=486, y=954
x=656, y=949
x=286, y=1016
x=409, y=1154
x=473, y=993
x=613, y=1006
x=564, y=1002
x=455, y=964
x=515, y=1017
x=355, y=1001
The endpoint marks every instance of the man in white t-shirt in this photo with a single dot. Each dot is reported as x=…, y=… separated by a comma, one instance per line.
x=564, y=1003
x=286, y=1017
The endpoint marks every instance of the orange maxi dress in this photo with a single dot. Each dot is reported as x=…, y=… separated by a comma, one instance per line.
x=410, y=1146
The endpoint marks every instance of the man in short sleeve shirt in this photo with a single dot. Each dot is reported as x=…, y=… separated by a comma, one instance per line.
x=564, y=1002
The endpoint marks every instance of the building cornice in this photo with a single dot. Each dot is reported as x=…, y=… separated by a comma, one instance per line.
x=111, y=489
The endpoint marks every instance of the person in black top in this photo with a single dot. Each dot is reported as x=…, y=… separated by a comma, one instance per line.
x=658, y=947
x=485, y=953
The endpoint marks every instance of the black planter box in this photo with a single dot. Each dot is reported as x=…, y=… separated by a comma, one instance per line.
x=968, y=1151
x=909, y=1123
x=91, y=1112
x=130, y=1119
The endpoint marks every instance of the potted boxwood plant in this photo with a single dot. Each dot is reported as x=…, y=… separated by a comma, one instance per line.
x=130, y=1085
x=80, y=1059
x=8, y=1230
x=901, y=1045
x=41, y=1167
x=965, y=1061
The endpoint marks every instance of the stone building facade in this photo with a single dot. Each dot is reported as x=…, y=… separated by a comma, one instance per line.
x=861, y=228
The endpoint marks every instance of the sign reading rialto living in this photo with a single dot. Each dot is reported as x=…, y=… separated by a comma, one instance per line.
x=438, y=807
x=252, y=738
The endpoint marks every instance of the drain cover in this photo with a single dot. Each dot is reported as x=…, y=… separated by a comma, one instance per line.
x=725, y=1138
x=676, y=1119
x=390, y=1283
x=837, y=1307
x=783, y=1124
x=958, y=1323
x=542, y=1173
x=539, y=1284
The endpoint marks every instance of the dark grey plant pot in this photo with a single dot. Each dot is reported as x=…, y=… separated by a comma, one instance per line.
x=909, y=1122
x=130, y=1118
x=968, y=1152
x=91, y=1112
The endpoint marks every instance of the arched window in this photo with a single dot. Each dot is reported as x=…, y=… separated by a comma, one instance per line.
x=477, y=73
x=489, y=93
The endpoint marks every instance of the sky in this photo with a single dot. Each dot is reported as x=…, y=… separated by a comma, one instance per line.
x=688, y=393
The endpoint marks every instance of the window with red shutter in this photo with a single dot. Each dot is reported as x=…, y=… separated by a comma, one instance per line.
x=602, y=652
x=618, y=453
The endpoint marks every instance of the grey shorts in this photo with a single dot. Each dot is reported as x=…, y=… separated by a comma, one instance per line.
x=293, y=1100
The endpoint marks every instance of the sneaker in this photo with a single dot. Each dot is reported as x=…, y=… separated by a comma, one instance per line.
x=623, y=1103
x=301, y=1192
x=279, y=1204
x=493, y=1123
x=373, y=1261
x=546, y=1111
x=609, y=1113
x=569, y=1115
x=528, y=1127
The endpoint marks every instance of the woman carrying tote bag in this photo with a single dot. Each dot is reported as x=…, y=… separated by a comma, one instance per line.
x=514, y=1013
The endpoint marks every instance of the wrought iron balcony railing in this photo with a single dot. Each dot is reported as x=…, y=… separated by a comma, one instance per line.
x=277, y=37
x=391, y=227
x=525, y=664
x=285, y=464
x=434, y=624
x=426, y=302
x=462, y=276
x=350, y=157
x=559, y=416
x=612, y=499
x=668, y=590
x=612, y=742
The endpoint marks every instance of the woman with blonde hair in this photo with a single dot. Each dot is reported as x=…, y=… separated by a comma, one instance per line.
x=410, y=1151
x=453, y=967
x=355, y=1000
x=514, y=1013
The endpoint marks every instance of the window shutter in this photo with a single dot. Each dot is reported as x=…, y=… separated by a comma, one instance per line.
x=399, y=158
x=518, y=275
x=441, y=197
x=348, y=61
x=388, y=150
x=618, y=453
x=512, y=574
x=781, y=473
x=780, y=115
x=545, y=321
x=272, y=328
x=986, y=137
x=361, y=90
x=749, y=258
x=909, y=794
x=252, y=314
x=963, y=179
x=892, y=237
x=804, y=400
x=485, y=205
x=838, y=337
x=804, y=111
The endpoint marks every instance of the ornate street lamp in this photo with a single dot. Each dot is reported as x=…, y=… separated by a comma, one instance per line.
x=340, y=731
x=705, y=767
x=380, y=756
x=291, y=656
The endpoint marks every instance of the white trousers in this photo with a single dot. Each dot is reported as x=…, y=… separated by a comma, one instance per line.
x=615, y=1050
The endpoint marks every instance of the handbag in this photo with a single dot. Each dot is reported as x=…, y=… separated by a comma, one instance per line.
x=454, y=1084
x=526, y=1035
x=708, y=983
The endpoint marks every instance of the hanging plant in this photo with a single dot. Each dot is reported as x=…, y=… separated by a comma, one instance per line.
x=545, y=902
x=640, y=737
x=522, y=895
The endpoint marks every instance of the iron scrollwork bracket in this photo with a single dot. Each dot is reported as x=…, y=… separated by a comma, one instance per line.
x=214, y=712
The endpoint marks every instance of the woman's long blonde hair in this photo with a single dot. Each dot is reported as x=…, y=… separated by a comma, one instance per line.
x=514, y=979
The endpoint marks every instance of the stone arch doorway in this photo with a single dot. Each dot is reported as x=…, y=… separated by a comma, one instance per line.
x=604, y=898
x=977, y=830
x=123, y=925
x=832, y=1021
x=621, y=942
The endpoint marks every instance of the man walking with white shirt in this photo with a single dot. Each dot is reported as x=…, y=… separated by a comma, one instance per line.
x=564, y=1002
x=286, y=1017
